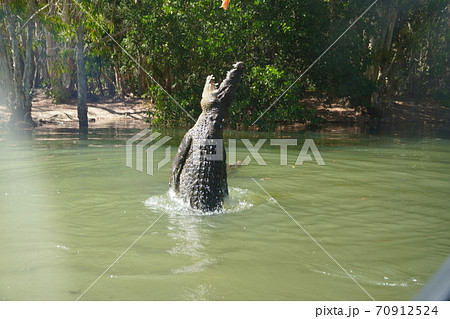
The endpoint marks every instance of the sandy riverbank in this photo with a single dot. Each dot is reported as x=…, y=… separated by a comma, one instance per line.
x=106, y=112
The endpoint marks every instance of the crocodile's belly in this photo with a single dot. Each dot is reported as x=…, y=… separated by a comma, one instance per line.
x=203, y=183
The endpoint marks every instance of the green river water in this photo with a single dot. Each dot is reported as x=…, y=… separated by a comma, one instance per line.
x=69, y=208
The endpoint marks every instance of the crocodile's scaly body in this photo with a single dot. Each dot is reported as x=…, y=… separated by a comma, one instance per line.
x=199, y=172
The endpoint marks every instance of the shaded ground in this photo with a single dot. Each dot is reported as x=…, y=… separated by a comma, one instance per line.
x=400, y=112
x=403, y=116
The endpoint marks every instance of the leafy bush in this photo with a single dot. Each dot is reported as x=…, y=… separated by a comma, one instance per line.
x=166, y=112
x=261, y=89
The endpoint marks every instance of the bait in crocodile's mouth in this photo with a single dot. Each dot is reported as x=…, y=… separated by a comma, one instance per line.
x=225, y=4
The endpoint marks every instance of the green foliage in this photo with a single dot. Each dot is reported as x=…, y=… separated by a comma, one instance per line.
x=179, y=43
x=166, y=112
x=258, y=91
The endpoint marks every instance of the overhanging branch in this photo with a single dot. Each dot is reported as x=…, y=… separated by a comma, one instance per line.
x=34, y=14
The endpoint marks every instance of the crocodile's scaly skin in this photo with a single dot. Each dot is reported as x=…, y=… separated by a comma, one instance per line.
x=201, y=180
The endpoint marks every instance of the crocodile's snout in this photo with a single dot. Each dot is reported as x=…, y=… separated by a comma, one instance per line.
x=239, y=66
x=228, y=86
x=234, y=75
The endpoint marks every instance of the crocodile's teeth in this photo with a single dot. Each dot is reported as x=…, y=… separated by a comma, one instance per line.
x=209, y=88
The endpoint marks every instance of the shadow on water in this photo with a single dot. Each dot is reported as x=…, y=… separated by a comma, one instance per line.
x=17, y=135
x=380, y=129
x=83, y=133
x=412, y=130
x=373, y=128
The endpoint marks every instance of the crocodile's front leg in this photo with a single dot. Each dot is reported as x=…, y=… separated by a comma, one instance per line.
x=178, y=162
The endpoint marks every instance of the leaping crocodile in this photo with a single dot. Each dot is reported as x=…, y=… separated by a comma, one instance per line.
x=199, y=171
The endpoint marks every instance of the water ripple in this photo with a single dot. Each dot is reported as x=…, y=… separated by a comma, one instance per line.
x=238, y=200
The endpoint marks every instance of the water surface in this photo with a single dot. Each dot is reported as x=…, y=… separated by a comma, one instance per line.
x=69, y=208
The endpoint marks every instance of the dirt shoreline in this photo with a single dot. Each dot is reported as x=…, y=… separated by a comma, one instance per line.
x=106, y=112
x=133, y=113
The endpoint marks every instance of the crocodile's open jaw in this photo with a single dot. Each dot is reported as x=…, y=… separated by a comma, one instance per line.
x=209, y=88
x=225, y=92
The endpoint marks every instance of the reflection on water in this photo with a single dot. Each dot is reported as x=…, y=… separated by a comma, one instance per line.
x=190, y=230
x=69, y=208
x=184, y=230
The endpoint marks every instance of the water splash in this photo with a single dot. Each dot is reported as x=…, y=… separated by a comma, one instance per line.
x=238, y=200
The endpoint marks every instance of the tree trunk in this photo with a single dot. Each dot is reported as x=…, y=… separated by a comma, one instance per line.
x=379, y=72
x=168, y=77
x=41, y=59
x=50, y=53
x=19, y=112
x=6, y=73
x=142, y=77
x=60, y=81
x=68, y=77
x=28, y=60
x=110, y=83
x=117, y=75
x=81, y=80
